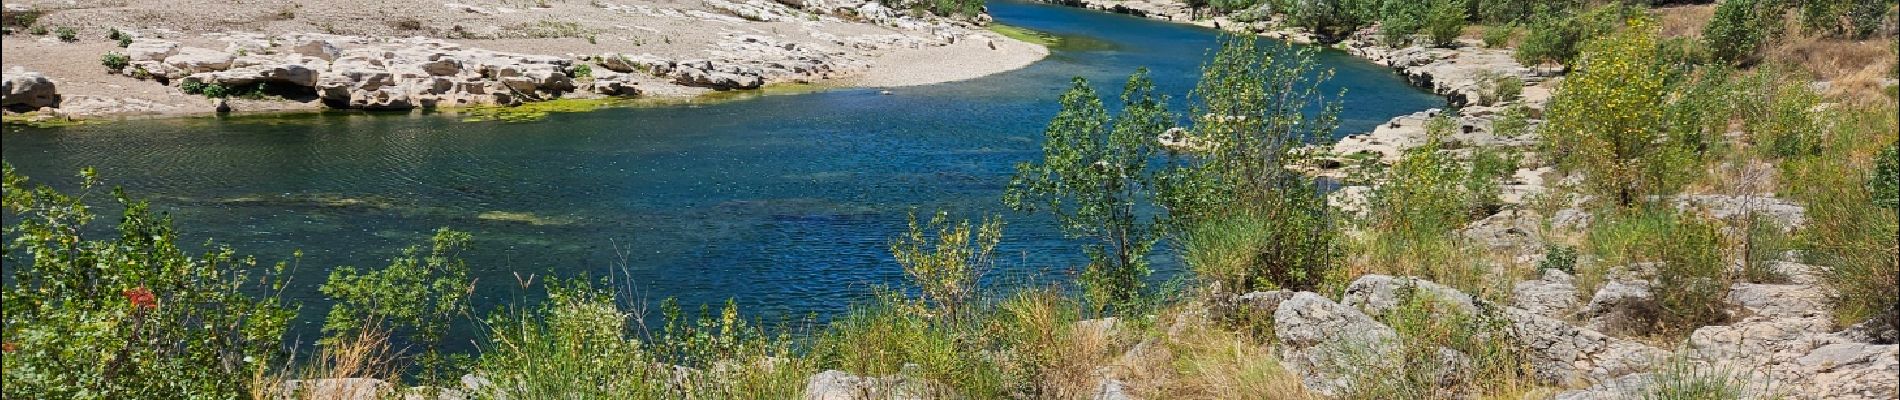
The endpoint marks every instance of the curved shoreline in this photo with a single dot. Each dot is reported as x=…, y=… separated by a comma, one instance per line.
x=700, y=53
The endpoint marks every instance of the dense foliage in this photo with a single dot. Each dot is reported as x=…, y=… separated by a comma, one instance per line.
x=1094, y=173
x=132, y=315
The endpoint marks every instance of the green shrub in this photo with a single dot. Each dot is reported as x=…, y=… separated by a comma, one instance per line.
x=1513, y=121
x=1549, y=40
x=1094, y=173
x=419, y=293
x=1691, y=276
x=38, y=30
x=1498, y=88
x=1426, y=326
x=1333, y=19
x=115, y=61
x=1399, y=20
x=1250, y=251
x=1608, y=120
x=1682, y=379
x=1413, y=216
x=1499, y=36
x=66, y=34
x=215, y=91
x=1884, y=185
x=947, y=266
x=1248, y=121
x=1558, y=257
x=132, y=315
x=581, y=71
x=191, y=86
x=580, y=344
x=125, y=42
x=1445, y=21
x=1739, y=29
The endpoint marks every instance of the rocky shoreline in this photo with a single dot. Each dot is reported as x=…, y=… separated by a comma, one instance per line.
x=163, y=71
x=1780, y=335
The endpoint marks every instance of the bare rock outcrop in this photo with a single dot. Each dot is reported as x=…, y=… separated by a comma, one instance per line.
x=28, y=90
x=1553, y=295
x=840, y=385
x=1327, y=344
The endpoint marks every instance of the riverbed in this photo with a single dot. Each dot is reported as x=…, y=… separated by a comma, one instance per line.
x=784, y=203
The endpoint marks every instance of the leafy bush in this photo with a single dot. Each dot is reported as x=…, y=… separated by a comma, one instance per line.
x=1606, y=120
x=1691, y=275
x=1499, y=36
x=1513, y=121
x=1414, y=215
x=133, y=315
x=1427, y=326
x=1095, y=170
x=191, y=86
x=1683, y=379
x=1445, y=21
x=1885, y=183
x=115, y=61
x=1739, y=29
x=1560, y=37
x=66, y=34
x=215, y=90
x=1561, y=258
x=1399, y=20
x=418, y=293
x=1856, y=19
x=1251, y=111
x=1333, y=18
x=946, y=267
x=577, y=345
x=1495, y=88
x=581, y=71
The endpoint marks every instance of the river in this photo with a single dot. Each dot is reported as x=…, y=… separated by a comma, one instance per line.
x=784, y=203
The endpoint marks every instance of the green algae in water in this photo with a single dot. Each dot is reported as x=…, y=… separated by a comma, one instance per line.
x=1026, y=35
x=536, y=111
x=768, y=90
x=36, y=120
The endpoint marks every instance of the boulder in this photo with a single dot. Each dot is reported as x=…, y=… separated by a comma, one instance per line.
x=191, y=60
x=312, y=47
x=150, y=49
x=1620, y=306
x=840, y=385
x=1776, y=301
x=1378, y=294
x=1326, y=343
x=1554, y=295
x=1561, y=354
x=335, y=389
x=28, y=90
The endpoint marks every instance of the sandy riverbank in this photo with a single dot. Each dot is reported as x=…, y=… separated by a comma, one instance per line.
x=734, y=45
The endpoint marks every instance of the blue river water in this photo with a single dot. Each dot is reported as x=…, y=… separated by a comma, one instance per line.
x=784, y=203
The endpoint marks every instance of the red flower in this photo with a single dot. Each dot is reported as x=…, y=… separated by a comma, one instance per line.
x=9, y=347
x=141, y=298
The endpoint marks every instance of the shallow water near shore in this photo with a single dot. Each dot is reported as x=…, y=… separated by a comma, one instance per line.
x=784, y=203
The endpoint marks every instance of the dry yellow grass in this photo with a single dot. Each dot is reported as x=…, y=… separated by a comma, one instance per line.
x=1684, y=21
x=1199, y=360
x=366, y=355
x=1855, y=67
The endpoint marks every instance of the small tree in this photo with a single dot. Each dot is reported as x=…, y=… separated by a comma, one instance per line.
x=1738, y=30
x=1094, y=173
x=1253, y=107
x=1608, y=119
x=419, y=293
x=946, y=267
x=1445, y=21
x=1399, y=20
